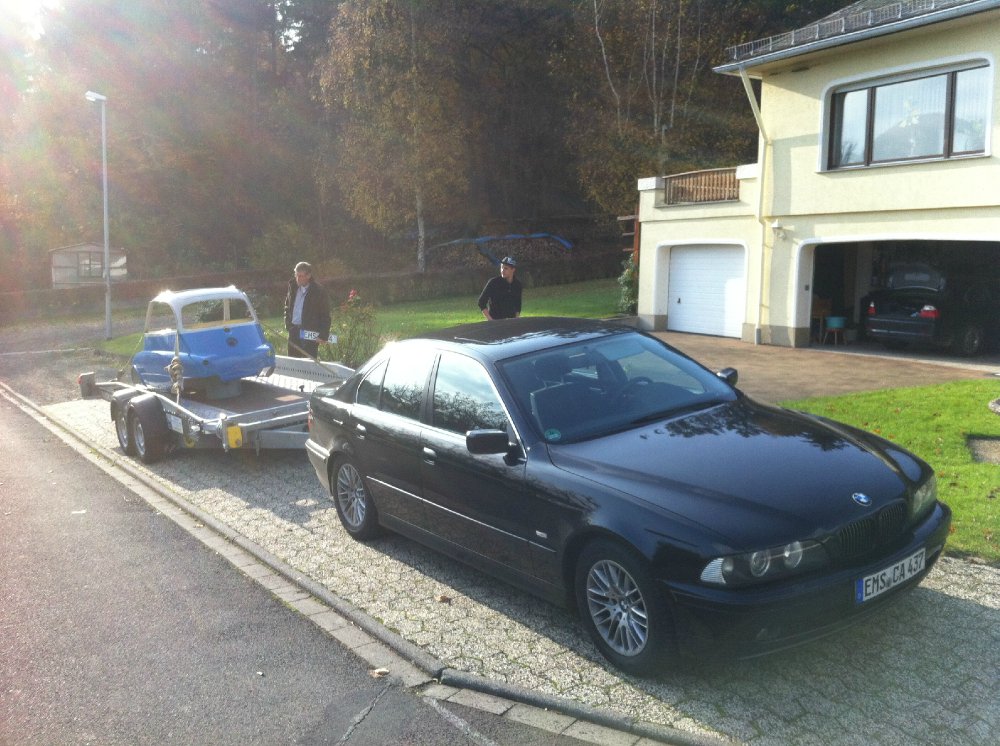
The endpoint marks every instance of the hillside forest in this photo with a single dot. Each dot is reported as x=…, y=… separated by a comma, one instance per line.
x=359, y=134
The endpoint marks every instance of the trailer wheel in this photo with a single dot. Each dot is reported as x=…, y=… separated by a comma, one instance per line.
x=354, y=504
x=119, y=414
x=148, y=428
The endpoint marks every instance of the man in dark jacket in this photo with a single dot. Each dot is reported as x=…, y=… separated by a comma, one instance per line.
x=501, y=298
x=307, y=313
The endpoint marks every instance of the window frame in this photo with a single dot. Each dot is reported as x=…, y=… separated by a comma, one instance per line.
x=443, y=357
x=870, y=87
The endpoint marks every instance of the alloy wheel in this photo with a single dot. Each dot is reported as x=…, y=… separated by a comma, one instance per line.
x=617, y=608
x=351, y=495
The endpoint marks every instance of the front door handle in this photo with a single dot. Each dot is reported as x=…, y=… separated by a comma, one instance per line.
x=361, y=431
x=430, y=456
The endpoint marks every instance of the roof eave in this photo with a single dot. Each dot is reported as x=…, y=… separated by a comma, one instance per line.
x=947, y=14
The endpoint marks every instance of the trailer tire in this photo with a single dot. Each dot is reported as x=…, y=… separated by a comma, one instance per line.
x=119, y=414
x=147, y=427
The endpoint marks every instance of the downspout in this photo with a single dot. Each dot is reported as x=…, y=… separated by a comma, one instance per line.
x=760, y=198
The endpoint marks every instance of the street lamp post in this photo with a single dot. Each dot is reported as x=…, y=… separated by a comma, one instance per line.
x=103, y=100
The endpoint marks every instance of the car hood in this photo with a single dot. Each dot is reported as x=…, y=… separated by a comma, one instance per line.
x=748, y=472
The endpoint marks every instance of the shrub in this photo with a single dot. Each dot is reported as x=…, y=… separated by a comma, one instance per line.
x=628, y=281
x=358, y=334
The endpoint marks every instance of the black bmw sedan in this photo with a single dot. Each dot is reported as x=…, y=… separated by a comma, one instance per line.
x=593, y=464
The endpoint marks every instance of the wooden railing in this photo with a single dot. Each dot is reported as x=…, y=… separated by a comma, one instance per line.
x=715, y=185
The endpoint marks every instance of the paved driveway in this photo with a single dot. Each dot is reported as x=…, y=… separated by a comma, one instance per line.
x=773, y=374
x=923, y=671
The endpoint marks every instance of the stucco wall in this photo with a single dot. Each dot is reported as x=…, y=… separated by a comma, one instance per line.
x=945, y=200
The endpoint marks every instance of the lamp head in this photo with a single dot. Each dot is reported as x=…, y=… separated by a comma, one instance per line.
x=91, y=96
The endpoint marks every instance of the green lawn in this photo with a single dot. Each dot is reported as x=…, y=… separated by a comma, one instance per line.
x=596, y=298
x=935, y=422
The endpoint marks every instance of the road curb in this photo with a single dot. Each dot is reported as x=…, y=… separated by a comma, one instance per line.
x=464, y=680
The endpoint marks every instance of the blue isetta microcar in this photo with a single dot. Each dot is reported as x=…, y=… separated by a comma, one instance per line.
x=213, y=333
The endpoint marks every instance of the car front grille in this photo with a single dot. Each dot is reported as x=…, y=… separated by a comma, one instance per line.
x=868, y=534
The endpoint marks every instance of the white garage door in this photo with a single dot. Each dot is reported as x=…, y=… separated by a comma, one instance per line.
x=707, y=290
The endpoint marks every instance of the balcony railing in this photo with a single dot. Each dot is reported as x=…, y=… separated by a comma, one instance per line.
x=839, y=24
x=715, y=185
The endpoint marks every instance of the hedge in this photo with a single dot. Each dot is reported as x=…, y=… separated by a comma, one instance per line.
x=268, y=292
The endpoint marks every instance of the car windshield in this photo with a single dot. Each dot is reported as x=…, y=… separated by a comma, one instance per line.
x=587, y=390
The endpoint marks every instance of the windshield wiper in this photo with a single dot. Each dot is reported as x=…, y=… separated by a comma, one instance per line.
x=693, y=406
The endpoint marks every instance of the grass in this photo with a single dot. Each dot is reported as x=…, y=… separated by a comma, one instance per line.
x=592, y=299
x=936, y=422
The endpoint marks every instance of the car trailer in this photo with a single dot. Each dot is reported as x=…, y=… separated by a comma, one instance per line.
x=206, y=377
x=269, y=412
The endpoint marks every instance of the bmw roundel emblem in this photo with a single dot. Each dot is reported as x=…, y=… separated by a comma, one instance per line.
x=861, y=499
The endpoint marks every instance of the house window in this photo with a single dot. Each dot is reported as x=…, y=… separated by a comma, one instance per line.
x=90, y=264
x=932, y=116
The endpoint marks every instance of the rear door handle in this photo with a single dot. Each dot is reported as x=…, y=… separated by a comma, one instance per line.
x=430, y=456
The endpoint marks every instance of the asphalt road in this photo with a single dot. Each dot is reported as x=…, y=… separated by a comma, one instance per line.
x=119, y=627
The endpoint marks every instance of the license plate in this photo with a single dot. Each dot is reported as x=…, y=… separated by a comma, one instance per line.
x=870, y=586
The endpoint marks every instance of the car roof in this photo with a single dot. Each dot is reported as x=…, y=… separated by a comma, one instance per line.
x=179, y=298
x=505, y=338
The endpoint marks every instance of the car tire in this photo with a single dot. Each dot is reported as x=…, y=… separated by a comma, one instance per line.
x=147, y=428
x=625, y=615
x=355, y=508
x=969, y=341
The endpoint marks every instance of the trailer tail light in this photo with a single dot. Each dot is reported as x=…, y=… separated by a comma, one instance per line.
x=930, y=312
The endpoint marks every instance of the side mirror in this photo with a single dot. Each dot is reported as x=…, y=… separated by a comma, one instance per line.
x=482, y=442
x=729, y=375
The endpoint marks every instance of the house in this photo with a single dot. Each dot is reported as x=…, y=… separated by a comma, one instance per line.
x=83, y=264
x=876, y=129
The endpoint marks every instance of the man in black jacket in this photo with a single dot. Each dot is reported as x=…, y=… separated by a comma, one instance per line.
x=501, y=298
x=307, y=313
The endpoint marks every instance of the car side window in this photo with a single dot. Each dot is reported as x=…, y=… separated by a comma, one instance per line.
x=405, y=380
x=464, y=398
x=371, y=386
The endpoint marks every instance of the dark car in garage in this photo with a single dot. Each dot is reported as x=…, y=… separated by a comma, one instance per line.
x=922, y=304
x=594, y=465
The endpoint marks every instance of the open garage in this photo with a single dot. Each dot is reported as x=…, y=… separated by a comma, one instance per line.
x=857, y=280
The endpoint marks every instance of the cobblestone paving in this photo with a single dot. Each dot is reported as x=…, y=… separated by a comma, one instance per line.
x=925, y=671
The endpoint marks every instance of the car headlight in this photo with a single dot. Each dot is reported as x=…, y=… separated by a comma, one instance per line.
x=923, y=498
x=765, y=564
